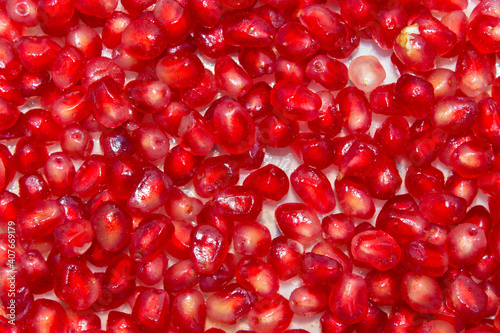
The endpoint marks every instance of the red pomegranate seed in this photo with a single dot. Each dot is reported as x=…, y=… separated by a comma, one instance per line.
x=442, y=208
x=275, y=130
x=421, y=292
x=110, y=216
x=257, y=276
x=314, y=188
x=231, y=78
x=47, y=315
x=189, y=318
x=257, y=62
x=209, y=248
x=348, y=299
x=151, y=237
x=295, y=42
x=230, y=304
x=330, y=73
x=319, y=271
x=252, y=239
x=270, y=315
x=295, y=101
x=383, y=287
x=324, y=25
x=196, y=134
x=467, y=298
x=284, y=257
x=152, y=272
x=474, y=71
x=354, y=105
x=308, y=301
x=246, y=29
x=354, y=197
x=315, y=150
x=151, y=310
x=376, y=248
x=298, y=222
x=180, y=276
x=180, y=70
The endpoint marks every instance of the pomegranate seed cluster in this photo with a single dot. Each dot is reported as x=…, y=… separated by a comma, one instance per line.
x=140, y=189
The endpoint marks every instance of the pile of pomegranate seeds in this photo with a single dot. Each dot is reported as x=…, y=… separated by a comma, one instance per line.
x=191, y=166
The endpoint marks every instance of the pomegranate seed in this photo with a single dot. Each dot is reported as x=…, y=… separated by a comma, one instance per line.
x=295, y=42
x=319, y=271
x=295, y=101
x=366, y=73
x=150, y=238
x=421, y=292
x=313, y=187
x=252, y=239
x=298, y=222
x=354, y=197
x=209, y=248
x=270, y=315
x=348, y=299
x=230, y=304
x=151, y=310
x=76, y=285
x=285, y=256
x=425, y=258
x=180, y=276
x=47, y=315
x=324, y=25
x=308, y=301
x=188, y=318
x=328, y=72
x=173, y=70
x=442, y=208
x=383, y=287
x=36, y=272
x=256, y=276
x=467, y=298
x=110, y=216
x=276, y=131
x=221, y=277
x=152, y=272
x=234, y=129
x=231, y=78
x=211, y=41
x=314, y=150
x=377, y=249
x=474, y=72
x=354, y=105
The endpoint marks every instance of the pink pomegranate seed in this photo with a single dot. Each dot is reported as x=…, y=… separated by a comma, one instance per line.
x=230, y=304
x=348, y=299
x=270, y=315
x=366, y=73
